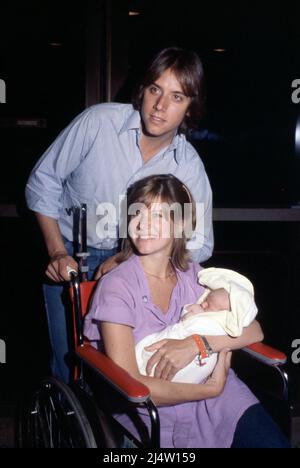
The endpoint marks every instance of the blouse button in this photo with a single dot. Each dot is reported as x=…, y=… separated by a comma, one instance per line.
x=145, y=299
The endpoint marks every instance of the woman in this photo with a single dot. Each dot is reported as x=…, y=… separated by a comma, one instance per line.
x=144, y=294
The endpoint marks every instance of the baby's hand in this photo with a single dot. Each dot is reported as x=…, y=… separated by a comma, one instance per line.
x=192, y=309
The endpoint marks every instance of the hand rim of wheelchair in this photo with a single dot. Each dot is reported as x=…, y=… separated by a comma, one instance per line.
x=56, y=418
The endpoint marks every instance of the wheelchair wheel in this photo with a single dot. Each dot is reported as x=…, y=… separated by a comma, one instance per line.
x=103, y=426
x=56, y=419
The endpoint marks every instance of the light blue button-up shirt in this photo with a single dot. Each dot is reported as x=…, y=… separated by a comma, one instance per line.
x=95, y=159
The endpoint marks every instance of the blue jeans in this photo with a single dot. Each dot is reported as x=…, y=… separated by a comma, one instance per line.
x=57, y=306
x=256, y=429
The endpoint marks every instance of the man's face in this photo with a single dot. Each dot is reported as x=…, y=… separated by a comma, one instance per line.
x=164, y=106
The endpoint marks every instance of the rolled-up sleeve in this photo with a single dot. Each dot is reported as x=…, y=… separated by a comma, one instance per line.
x=112, y=302
x=202, y=243
x=45, y=185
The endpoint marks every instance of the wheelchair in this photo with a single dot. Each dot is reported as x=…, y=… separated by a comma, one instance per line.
x=81, y=414
x=77, y=416
x=71, y=416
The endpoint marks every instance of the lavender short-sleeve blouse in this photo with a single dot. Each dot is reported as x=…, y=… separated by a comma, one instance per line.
x=123, y=297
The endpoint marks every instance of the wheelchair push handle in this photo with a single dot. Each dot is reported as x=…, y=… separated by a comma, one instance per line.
x=76, y=298
x=80, y=238
x=72, y=273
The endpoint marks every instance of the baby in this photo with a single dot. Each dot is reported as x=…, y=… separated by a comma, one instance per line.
x=225, y=307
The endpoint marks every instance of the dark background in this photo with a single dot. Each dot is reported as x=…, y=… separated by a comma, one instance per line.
x=59, y=57
x=250, y=158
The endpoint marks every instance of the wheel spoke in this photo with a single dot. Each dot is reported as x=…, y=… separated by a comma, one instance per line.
x=57, y=419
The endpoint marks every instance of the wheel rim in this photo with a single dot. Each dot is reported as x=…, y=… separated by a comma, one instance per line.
x=57, y=420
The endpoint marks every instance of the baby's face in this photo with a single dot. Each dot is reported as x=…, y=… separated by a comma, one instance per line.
x=216, y=301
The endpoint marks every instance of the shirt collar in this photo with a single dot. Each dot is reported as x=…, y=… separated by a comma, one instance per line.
x=133, y=122
x=175, y=147
x=174, y=143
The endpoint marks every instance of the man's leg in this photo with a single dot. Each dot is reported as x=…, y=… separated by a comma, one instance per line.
x=56, y=316
x=96, y=258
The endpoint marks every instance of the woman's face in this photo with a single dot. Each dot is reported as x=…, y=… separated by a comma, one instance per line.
x=151, y=228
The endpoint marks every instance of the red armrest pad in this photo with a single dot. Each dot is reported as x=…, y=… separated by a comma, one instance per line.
x=131, y=388
x=266, y=354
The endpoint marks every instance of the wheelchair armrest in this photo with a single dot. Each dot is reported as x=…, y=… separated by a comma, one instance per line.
x=266, y=354
x=132, y=389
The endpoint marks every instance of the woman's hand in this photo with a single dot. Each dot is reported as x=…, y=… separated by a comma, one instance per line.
x=106, y=266
x=60, y=263
x=218, y=378
x=170, y=357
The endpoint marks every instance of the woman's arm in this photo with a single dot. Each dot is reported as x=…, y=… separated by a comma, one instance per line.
x=251, y=334
x=120, y=347
x=173, y=355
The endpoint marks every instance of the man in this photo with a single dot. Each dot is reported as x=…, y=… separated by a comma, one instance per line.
x=98, y=156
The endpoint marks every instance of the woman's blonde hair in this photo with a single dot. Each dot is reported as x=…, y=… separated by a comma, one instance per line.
x=168, y=189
